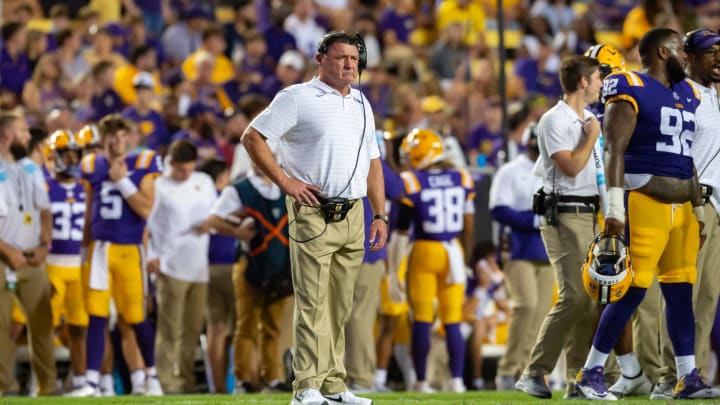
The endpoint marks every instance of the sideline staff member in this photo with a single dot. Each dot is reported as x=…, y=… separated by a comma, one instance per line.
x=567, y=136
x=24, y=239
x=332, y=161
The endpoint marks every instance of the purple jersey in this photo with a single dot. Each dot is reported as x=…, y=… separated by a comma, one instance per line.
x=665, y=127
x=67, y=203
x=439, y=199
x=112, y=218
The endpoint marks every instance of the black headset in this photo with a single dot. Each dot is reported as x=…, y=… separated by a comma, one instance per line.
x=342, y=36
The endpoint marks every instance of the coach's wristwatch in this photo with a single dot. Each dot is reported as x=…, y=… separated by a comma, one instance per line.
x=382, y=217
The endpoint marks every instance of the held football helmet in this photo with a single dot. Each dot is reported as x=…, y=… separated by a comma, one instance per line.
x=611, y=60
x=88, y=136
x=422, y=147
x=62, y=142
x=607, y=272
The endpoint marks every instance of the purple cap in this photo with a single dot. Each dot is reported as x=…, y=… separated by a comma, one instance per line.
x=701, y=39
x=116, y=29
x=198, y=108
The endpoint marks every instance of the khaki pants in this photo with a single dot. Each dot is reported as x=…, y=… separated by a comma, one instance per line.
x=324, y=270
x=360, y=338
x=259, y=322
x=221, y=297
x=706, y=292
x=530, y=287
x=571, y=319
x=181, y=312
x=33, y=292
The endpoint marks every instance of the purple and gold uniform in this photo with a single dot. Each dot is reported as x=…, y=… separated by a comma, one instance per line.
x=663, y=237
x=114, y=257
x=440, y=199
x=67, y=203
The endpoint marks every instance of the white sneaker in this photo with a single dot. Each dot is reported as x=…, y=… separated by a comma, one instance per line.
x=424, y=387
x=309, y=397
x=625, y=386
x=457, y=385
x=153, y=387
x=360, y=389
x=382, y=388
x=85, y=391
x=347, y=397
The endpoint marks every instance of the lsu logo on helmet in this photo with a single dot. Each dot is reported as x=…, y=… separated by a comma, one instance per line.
x=422, y=147
x=607, y=272
x=611, y=60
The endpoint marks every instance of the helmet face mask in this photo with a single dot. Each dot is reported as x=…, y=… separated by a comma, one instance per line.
x=607, y=273
x=422, y=148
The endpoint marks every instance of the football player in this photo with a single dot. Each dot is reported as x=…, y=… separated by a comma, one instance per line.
x=439, y=204
x=611, y=61
x=650, y=125
x=119, y=195
x=67, y=203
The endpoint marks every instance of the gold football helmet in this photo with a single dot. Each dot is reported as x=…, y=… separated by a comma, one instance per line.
x=607, y=272
x=610, y=58
x=88, y=136
x=62, y=141
x=422, y=147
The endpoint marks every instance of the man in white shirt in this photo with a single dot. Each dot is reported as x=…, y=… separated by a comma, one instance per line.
x=178, y=250
x=567, y=134
x=331, y=160
x=24, y=241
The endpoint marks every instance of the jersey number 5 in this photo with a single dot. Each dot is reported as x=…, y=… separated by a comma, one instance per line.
x=673, y=139
x=444, y=209
x=111, y=201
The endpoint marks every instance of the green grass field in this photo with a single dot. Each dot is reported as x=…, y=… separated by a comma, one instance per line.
x=484, y=397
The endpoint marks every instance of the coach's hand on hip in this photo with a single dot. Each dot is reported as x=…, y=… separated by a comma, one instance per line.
x=378, y=235
x=303, y=193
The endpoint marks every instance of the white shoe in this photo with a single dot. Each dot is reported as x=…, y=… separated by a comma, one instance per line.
x=347, y=397
x=153, y=387
x=457, y=385
x=85, y=391
x=382, y=388
x=625, y=386
x=424, y=387
x=309, y=397
x=361, y=389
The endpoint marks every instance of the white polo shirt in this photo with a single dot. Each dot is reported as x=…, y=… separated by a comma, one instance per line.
x=22, y=196
x=178, y=208
x=706, y=147
x=561, y=129
x=320, y=132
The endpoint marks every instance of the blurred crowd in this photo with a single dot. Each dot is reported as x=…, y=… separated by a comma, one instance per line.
x=200, y=71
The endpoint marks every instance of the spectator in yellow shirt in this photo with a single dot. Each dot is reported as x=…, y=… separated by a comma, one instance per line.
x=213, y=42
x=142, y=59
x=468, y=14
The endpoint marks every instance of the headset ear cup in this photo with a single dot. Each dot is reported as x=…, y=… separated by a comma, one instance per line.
x=362, y=52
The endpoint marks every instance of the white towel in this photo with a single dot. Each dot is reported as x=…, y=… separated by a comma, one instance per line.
x=99, y=272
x=456, y=262
x=598, y=156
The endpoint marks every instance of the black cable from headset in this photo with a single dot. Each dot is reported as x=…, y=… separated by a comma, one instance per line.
x=357, y=160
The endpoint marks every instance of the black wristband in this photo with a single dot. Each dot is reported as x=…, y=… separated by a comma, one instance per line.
x=382, y=217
